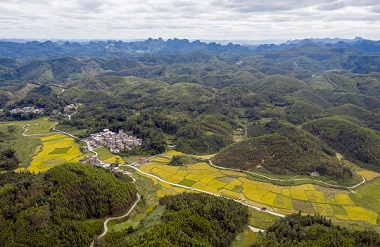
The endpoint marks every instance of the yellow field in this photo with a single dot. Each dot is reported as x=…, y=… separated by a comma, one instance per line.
x=231, y=194
x=343, y=199
x=315, y=196
x=279, y=198
x=232, y=184
x=359, y=213
x=268, y=198
x=298, y=193
x=57, y=149
x=217, y=184
x=114, y=159
x=173, y=152
x=283, y=202
x=323, y=209
x=369, y=175
x=161, y=159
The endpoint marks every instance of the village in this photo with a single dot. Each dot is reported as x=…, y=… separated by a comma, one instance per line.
x=28, y=110
x=116, y=142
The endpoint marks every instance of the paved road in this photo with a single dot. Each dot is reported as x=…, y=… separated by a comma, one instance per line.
x=73, y=136
x=203, y=191
x=119, y=217
x=289, y=180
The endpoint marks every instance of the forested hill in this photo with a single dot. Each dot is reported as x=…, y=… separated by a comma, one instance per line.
x=191, y=219
x=60, y=207
x=112, y=48
x=296, y=230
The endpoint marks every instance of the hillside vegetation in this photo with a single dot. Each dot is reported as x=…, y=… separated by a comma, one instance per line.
x=297, y=230
x=281, y=154
x=188, y=220
x=60, y=207
x=355, y=142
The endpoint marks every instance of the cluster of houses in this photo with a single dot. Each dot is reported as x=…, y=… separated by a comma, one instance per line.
x=28, y=110
x=118, y=170
x=70, y=109
x=116, y=142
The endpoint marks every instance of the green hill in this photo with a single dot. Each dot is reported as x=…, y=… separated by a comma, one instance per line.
x=368, y=119
x=314, y=231
x=341, y=82
x=311, y=97
x=355, y=142
x=290, y=152
x=367, y=102
x=300, y=112
x=277, y=84
x=192, y=219
x=60, y=207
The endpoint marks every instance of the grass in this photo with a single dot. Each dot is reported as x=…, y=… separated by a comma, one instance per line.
x=188, y=183
x=27, y=145
x=105, y=155
x=61, y=150
x=245, y=239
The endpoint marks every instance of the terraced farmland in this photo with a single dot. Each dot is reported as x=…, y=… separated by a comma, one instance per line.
x=308, y=198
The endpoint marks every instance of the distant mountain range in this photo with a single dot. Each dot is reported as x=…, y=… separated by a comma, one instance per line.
x=110, y=49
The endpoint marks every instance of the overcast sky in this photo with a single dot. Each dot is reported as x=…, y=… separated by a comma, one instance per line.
x=192, y=19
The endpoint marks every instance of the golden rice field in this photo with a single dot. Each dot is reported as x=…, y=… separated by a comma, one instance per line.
x=56, y=149
x=284, y=199
x=369, y=175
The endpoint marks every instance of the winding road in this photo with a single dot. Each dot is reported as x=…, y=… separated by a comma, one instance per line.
x=119, y=217
x=289, y=180
x=203, y=191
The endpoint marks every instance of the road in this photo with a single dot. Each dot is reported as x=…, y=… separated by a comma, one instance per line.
x=289, y=180
x=203, y=191
x=119, y=217
x=73, y=136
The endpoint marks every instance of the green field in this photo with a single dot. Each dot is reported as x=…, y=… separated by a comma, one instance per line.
x=105, y=155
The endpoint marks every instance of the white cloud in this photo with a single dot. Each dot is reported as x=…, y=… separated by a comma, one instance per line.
x=208, y=19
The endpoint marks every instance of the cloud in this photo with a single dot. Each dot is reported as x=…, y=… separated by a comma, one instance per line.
x=215, y=19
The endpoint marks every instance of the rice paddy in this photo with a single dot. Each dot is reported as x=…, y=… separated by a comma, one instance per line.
x=369, y=175
x=56, y=150
x=308, y=198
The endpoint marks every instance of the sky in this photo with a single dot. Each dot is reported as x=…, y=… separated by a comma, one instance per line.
x=191, y=19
